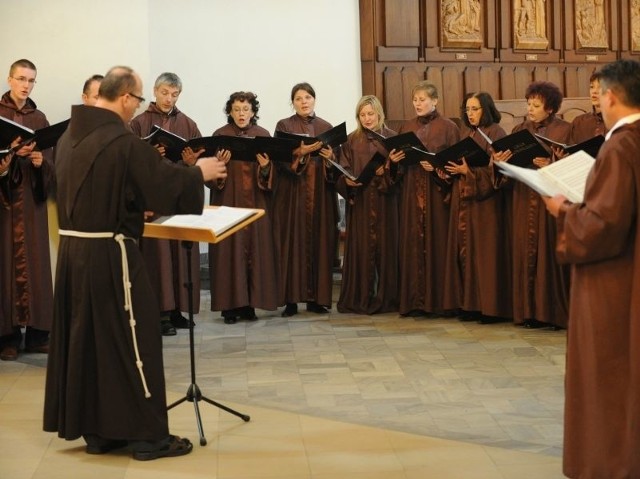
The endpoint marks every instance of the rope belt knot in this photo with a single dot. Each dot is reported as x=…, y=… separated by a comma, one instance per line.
x=126, y=284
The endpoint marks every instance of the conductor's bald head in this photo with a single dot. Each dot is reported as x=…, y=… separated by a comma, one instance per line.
x=121, y=92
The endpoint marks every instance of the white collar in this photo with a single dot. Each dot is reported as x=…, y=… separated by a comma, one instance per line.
x=623, y=121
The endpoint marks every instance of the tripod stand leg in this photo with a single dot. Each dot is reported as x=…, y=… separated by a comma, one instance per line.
x=244, y=417
x=203, y=440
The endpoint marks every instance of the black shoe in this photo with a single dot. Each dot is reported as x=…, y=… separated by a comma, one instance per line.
x=467, y=316
x=289, y=310
x=491, y=319
x=415, y=313
x=534, y=324
x=179, y=321
x=248, y=313
x=230, y=320
x=314, y=307
x=100, y=445
x=167, y=328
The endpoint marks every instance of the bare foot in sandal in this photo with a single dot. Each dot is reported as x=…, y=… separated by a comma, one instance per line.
x=176, y=446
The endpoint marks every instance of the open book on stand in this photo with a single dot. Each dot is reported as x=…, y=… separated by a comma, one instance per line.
x=46, y=137
x=590, y=146
x=567, y=176
x=213, y=225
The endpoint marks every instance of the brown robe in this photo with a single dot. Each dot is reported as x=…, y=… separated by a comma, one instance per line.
x=242, y=267
x=586, y=126
x=370, y=266
x=424, y=221
x=26, y=290
x=305, y=222
x=166, y=260
x=600, y=239
x=107, y=178
x=540, y=284
x=479, y=246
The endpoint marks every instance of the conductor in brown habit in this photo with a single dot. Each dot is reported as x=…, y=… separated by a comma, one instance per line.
x=600, y=238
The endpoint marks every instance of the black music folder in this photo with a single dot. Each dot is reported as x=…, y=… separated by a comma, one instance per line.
x=245, y=148
x=367, y=173
x=524, y=147
x=409, y=143
x=172, y=143
x=334, y=137
x=473, y=154
x=590, y=146
x=46, y=137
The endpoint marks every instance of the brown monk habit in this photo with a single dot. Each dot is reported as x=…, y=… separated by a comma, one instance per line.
x=166, y=259
x=479, y=245
x=242, y=267
x=424, y=220
x=600, y=239
x=305, y=222
x=26, y=290
x=540, y=284
x=370, y=267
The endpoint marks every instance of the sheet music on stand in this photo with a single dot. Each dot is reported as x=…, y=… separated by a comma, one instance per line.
x=213, y=225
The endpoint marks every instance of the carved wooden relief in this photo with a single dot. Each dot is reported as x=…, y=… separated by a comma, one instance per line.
x=530, y=24
x=635, y=26
x=461, y=23
x=591, y=25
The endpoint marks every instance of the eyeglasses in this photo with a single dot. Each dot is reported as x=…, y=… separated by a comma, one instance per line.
x=139, y=98
x=473, y=109
x=30, y=81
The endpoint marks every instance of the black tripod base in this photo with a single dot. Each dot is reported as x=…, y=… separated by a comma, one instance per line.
x=194, y=395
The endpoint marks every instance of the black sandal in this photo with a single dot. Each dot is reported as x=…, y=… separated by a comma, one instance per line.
x=177, y=446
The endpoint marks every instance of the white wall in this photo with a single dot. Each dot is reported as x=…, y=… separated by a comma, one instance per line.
x=215, y=46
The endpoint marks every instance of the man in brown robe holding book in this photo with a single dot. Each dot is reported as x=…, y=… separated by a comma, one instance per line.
x=26, y=292
x=165, y=259
x=600, y=238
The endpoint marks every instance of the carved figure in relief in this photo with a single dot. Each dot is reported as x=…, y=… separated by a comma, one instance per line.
x=591, y=28
x=461, y=17
x=635, y=25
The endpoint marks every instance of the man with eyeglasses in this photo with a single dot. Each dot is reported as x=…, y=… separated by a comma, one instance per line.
x=105, y=374
x=165, y=258
x=26, y=292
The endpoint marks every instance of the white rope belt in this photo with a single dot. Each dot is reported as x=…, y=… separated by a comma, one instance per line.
x=128, y=304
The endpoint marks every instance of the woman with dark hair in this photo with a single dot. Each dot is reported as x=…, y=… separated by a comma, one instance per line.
x=242, y=267
x=370, y=268
x=479, y=268
x=305, y=209
x=424, y=210
x=540, y=284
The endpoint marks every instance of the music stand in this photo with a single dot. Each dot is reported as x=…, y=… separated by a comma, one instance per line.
x=187, y=229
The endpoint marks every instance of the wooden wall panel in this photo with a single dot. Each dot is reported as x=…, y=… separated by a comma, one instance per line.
x=402, y=22
x=402, y=43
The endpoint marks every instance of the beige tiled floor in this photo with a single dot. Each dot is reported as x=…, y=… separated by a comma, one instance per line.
x=330, y=397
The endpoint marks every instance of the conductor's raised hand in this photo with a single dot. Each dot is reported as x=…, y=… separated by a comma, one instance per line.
x=212, y=168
